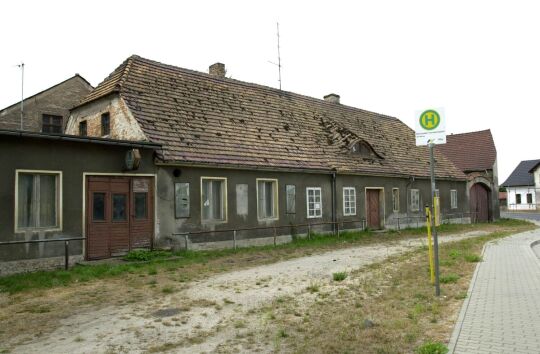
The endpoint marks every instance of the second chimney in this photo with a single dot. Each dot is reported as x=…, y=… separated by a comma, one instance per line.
x=217, y=69
x=333, y=98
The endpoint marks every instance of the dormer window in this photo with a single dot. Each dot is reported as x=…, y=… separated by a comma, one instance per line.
x=363, y=149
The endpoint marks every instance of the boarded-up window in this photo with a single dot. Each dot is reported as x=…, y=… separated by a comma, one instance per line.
x=415, y=200
x=290, y=191
x=349, y=201
x=453, y=199
x=181, y=204
x=213, y=197
x=242, y=199
x=314, y=202
x=395, y=200
x=267, y=199
x=37, y=200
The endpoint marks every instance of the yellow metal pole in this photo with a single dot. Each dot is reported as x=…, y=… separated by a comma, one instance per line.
x=430, y=245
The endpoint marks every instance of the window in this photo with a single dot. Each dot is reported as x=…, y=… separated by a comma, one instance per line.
x=83, y=128
x=314, y=202
x=242, y=199
x=105, y=124
x=98, y=207
x=395, y=200
x=181, y=200
x=363, y=149
x=415, y=200
x=290, y=191
x=51, y=124
x=119, y=207
x=140, y=201
x=453, y=199
x=38, y=200
x=529, y=198
x=518, y=198
x=267, y=197
x=214, y=197
x=349, y=201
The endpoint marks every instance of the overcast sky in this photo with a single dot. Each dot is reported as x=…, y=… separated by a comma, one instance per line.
x=477, y=59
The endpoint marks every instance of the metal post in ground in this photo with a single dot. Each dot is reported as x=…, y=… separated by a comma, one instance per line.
x=275, y=236
x=186, y=237
x=337, y=229
x=398, y=224
x=234, y=239
x=66, y=255
x=435, y=237
x=309, y=231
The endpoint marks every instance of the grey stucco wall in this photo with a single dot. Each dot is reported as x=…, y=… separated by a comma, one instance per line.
x=168, y=224
x=57, y=100
x=72, y=158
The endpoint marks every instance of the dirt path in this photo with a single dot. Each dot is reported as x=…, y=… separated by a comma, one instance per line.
x=207, y=314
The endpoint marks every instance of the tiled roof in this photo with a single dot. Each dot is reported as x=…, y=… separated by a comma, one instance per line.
x=473, y=151
x=521, y=176
x=205, y=119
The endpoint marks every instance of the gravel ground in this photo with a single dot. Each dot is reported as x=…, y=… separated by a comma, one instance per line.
x=203, y=316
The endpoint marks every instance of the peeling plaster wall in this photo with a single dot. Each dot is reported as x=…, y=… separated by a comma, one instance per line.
x=123, y=124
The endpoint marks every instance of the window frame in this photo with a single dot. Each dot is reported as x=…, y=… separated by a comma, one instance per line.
x=453, y=199
x=275, y=196
x=527, y=198
x=189, y=201
x=394, y=200
x=59, y=198
x=412, y=207
x=307, y=202
x=354, y=202
x=518, y=195
x=50, y=124
x=108, y=115
x=225, y=201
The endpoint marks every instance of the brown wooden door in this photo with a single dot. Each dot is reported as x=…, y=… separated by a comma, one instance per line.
x=479, y=203
x=142, y=212
x=119, y=215
x=373, y=209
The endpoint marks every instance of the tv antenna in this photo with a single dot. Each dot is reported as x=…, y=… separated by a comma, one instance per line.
x=21, y=65
x=278, y=64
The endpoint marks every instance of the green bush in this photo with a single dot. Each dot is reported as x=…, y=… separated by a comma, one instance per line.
x=432, y=348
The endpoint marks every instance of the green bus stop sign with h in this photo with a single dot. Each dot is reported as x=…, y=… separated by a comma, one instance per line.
x=430, y=127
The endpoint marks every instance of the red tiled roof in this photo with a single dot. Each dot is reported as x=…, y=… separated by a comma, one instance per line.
x=473, y=151
x=205, y=119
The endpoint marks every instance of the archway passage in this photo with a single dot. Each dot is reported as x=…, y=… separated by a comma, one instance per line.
x=479, y=199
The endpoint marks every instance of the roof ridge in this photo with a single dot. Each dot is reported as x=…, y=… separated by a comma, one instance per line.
x=125, y=71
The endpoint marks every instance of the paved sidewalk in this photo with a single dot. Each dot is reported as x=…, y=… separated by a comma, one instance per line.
x=502, y=311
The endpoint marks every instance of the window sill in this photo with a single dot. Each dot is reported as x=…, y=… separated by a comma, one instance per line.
x=349, y=214
x=37, y=229
x=314, y=217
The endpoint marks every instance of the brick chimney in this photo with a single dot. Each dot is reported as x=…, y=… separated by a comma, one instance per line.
x=332, y=98
x=217, y=69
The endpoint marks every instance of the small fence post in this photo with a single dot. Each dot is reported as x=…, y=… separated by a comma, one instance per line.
x=309, y=231
x=417, y=223
x=66, y=255
x=337, y=229
x=234, y=239
x=275, y=236
x=186, y=237
x=398, y=223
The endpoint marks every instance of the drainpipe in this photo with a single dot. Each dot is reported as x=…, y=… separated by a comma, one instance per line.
x=334, y=193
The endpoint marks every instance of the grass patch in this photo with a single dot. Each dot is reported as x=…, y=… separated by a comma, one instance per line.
x=432, y=348
x=449, y=278
x=167, y=290
x=473, y=258
x=313, y=288
x=197, y=263
x=339, y=276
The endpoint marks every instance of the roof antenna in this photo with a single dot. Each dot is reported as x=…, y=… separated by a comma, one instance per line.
x=279, y=57
x=21, y=65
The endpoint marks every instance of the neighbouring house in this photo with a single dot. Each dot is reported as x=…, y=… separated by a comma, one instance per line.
x=475, y=155
x=503, y=196
x=41, y=192
x=522, y=186
x=48, y=110
x=236, y=155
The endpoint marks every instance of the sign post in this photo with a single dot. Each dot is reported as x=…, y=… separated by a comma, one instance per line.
x=430, y=130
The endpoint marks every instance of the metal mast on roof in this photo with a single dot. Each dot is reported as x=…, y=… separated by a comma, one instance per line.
x=21, y=65
x=279, y=57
